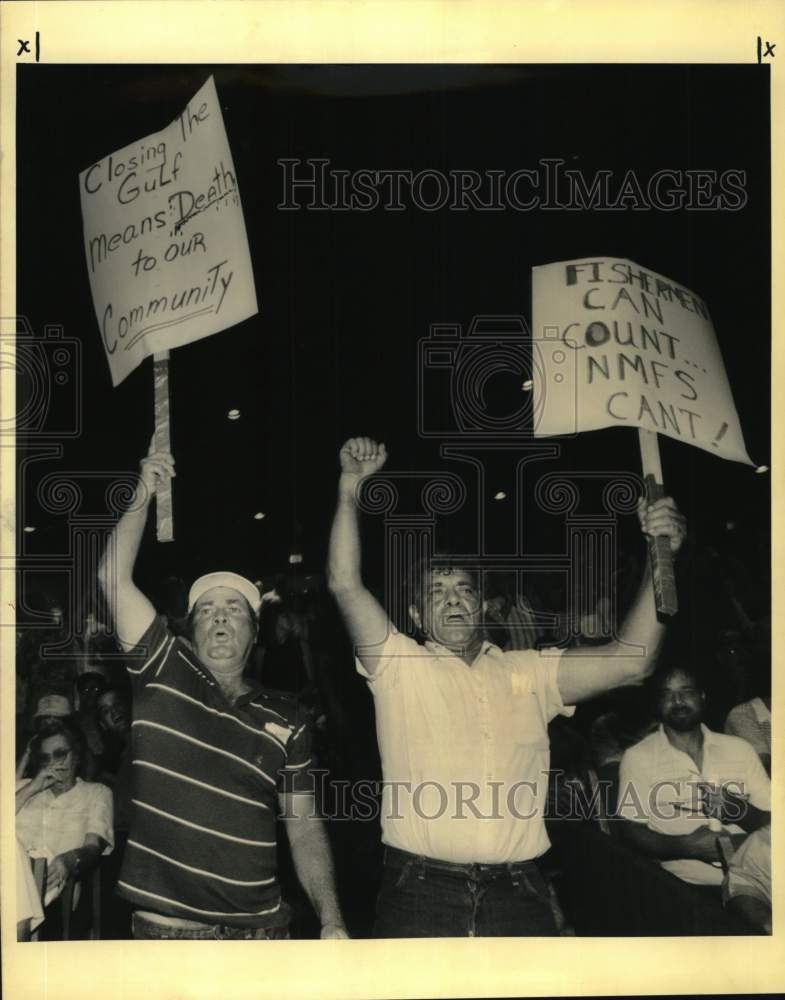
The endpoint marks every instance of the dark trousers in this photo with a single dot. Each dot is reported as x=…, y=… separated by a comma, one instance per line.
x=150, y=930
x=423, y=897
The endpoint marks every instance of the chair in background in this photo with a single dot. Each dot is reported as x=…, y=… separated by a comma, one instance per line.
x=91, y=883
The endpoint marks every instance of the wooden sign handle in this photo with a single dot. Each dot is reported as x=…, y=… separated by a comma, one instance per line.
x=164, y=523
x=660, y=555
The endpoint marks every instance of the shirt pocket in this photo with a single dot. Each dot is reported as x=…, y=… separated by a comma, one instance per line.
x=522, y=720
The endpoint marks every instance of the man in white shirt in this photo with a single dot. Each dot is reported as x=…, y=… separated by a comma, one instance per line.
x=462, y=731
x=684, y=787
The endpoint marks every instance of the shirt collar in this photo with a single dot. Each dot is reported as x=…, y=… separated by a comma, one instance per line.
x=436, y=647
x=708, y=737
x=54, y=798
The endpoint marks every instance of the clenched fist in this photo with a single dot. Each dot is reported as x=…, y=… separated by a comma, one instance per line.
x=156, y=469
x=362, y=456
x=663, y=517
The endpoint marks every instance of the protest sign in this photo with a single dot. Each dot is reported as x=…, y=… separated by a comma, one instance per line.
x=165, y=240
x=616, y=345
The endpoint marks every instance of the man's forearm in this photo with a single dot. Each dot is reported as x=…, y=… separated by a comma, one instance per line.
x=313, y=864
x=122, y=546
x=25, y=793
x=701, y=844
x=642, y=628
x=744, y=814
x=343, y=564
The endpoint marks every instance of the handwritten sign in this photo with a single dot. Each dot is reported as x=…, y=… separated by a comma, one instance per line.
x=165, y=240
x=616, y=345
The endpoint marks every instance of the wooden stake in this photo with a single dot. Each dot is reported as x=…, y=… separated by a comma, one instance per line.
x=164, y=523
x=660, y=555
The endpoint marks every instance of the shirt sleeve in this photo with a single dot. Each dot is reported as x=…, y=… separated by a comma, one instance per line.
x=100, y=819
x=634, y=788
x=295, y=775
x=149, y=653
x=397, y=649
x=539, y=669
x=742, y=722
x=757, y=786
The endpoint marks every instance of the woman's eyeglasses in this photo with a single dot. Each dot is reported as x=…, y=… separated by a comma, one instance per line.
x=55, y=755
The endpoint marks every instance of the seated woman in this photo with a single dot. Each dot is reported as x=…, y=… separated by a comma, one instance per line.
x=51, y=709
x=60, y=817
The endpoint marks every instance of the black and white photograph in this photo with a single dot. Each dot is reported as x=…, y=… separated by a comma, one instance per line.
x=389, y=550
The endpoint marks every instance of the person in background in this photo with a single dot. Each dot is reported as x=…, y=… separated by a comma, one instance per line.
x=288, y=660
x=516, y=618
x=113, y=711
x=684, y=787
x=751, y=720
x=55, y=709
x=61, y=818
x=87, y=688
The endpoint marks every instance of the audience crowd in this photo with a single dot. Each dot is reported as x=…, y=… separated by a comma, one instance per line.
x=677, y=769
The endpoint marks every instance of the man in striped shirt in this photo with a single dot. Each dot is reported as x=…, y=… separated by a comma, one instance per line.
x=215, y=757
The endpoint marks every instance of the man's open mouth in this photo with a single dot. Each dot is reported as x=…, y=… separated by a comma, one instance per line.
x=454, y=618
x=221, y=634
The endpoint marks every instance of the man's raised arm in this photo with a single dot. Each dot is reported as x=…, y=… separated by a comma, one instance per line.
x=585, y=675
x=130, y=609
x=365, y=618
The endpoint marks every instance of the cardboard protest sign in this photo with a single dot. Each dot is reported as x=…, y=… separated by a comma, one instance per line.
x=165, y=240
x=616, y=345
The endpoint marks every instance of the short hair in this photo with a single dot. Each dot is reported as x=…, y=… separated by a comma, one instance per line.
x=661, y=677
x=88, y=678
x=73, y=736
x=432, y=564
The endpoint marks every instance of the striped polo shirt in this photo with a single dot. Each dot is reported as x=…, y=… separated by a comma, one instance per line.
x=206, y=777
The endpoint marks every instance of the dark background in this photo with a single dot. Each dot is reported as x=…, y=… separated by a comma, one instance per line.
x=345, y=297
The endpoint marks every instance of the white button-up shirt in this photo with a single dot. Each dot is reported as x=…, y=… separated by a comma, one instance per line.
x=464, y=749
x=49, y=824
x=660, y=786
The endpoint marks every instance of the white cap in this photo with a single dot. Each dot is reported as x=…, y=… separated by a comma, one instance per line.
x=224, y=579
x=54, y=705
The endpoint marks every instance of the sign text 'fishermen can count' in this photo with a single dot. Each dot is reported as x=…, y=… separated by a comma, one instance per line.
x=616, y=345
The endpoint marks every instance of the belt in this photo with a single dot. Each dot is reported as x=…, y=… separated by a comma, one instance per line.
x=162, y=926
x=397, y=858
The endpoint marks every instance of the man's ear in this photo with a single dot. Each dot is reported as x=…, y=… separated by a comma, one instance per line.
x=414, y=614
